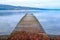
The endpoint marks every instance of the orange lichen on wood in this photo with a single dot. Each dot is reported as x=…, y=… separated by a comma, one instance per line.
x=22, y=35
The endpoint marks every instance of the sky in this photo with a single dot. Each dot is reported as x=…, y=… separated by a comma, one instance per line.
x=33, y=3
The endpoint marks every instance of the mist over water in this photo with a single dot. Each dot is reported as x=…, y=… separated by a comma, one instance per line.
x=50, y=20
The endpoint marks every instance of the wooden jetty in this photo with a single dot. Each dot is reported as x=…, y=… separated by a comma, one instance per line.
x=29, y=23
x=30, y=28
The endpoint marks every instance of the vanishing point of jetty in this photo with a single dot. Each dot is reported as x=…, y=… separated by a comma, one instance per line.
x=29, y=28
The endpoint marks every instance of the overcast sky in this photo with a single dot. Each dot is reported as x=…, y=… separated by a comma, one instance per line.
x=33, y=3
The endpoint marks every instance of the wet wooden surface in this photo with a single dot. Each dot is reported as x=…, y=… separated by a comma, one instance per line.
x=29, y=23
x=28, y=29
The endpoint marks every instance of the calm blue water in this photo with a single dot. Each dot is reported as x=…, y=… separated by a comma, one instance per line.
x=50, y=20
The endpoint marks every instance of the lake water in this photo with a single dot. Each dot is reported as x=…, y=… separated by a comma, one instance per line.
x=50, y=20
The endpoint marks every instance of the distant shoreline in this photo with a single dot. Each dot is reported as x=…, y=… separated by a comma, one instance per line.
x=10, y=7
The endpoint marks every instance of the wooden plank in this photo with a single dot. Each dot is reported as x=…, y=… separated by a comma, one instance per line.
x=29, y=23
x=28, y=29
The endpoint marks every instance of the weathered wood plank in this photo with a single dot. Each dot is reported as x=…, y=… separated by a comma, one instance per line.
x=28, y=29
x=29, y=23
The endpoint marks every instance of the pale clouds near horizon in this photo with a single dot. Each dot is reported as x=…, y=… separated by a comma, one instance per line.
x=33, y=3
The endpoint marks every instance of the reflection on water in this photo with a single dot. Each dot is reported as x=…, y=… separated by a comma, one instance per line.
x=50, y=20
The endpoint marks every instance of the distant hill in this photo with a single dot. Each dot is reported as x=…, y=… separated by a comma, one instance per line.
x=10, y=7
x=6, y=7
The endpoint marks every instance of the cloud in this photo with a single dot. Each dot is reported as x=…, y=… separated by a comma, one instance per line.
x=33, y=3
